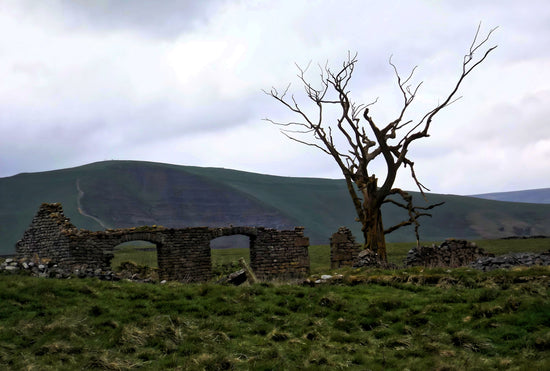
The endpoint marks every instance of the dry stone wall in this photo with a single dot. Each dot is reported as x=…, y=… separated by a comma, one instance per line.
x=343, y=249
x=183, y=254
x=47, y=235
x=525, y=259
x=345, y=252
x=280, y=254
x=451, y=253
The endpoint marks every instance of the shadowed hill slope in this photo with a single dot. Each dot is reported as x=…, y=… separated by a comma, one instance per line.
x=324, y=203
x=538, y=196
x=131, y=193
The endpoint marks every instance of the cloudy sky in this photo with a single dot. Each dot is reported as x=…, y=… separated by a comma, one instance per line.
x=181, y=82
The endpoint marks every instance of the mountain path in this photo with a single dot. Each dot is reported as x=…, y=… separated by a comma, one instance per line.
x=79, y=206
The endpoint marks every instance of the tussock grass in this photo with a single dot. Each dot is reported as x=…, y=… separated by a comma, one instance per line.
x=373, y=319
x=412, y=318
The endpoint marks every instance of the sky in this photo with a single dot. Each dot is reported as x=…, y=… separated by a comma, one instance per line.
x=182, y=82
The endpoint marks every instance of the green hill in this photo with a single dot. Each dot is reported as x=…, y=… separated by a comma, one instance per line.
x=130, y=193
x=537, y=196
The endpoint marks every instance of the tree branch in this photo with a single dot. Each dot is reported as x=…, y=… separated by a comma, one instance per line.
x=365, y=141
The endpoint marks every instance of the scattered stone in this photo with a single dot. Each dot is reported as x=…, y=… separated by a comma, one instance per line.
x=236, y=278
x=369, y=258
x=366, y=258
x=507, y=261
x=451, y=253
x=325, y=278
x=50, y=270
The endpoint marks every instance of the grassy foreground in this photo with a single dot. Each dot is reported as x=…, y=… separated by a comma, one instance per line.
x=416, y=319
x=407, y=319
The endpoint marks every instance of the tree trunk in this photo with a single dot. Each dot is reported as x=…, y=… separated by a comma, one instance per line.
x=373, y=231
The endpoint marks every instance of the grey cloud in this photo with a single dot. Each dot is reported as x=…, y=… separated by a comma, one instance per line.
x=516, y=22
x=120, y=84
x=164, y=119
x=162, y=19
x=514, y=124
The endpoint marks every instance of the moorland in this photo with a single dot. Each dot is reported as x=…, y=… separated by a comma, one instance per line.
x=364, y=319
x=367, y=319
x=121, y=194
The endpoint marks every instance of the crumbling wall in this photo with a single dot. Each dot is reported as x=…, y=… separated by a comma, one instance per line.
x=47, y=236
x=343, y=249
x=451, y=253
x=183, y=254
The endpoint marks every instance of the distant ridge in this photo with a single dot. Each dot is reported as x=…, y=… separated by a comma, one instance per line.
x=535, y=196
x=132, y=193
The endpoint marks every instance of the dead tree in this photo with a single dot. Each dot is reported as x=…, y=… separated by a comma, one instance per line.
x=364, y=140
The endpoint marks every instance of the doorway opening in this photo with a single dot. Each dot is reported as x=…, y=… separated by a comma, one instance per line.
x=136, y=260
x=226, y=252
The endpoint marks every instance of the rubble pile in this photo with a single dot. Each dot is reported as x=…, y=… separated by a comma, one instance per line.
x=451, y=253
x=51, y=270
x=525, y=259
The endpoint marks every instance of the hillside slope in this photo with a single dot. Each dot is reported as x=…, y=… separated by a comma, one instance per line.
x=535, y=196
x=323, y=204
x=130, y=193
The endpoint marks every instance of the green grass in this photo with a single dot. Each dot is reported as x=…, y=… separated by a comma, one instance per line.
x=499, y=247
x=227, y=256
x=223, y=260
x=380, y=320
x=319, y=258
x=139, y=254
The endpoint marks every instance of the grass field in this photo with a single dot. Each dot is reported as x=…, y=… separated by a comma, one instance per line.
x=409, y=319
x=414, y=318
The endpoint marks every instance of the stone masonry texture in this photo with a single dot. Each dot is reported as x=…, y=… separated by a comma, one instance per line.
x=183, y=254
x=343, y=249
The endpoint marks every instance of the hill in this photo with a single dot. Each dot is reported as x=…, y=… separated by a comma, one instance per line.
x=115, y=194
x=535, y=196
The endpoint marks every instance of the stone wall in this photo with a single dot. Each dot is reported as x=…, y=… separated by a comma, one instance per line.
x=343, y=249
x=183, y=254
x=282, y=254
x=451, y=253
x=47, y=235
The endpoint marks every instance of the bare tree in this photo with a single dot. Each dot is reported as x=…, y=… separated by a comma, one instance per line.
x=365, y=140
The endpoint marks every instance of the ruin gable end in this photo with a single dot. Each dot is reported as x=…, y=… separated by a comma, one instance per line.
x=183, y=254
